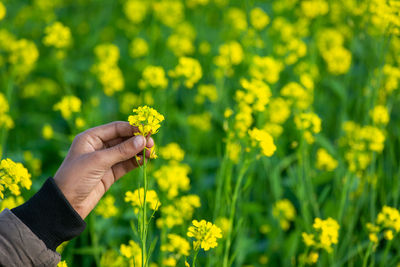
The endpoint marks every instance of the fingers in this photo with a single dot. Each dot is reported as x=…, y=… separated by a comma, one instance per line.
x=120, y=152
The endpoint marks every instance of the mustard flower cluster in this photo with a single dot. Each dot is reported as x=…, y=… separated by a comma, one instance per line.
x=278, y=111
x=169, y=12
x=230, y=54
x=258, y=18
x=13, y=176
x=200, y=121
x=326, y=234
x=5, y=119
x=380, y=115
x=11, y=202
x=257, y=94
x=179, y=211
x=106, y=68
x=361, y=142
x=314, y=8
x=391, y=79
x=23, y=54
x=146, y=119
x=173, y=178
x=387, y=222
x=189, y=69
x=176, y=247
x=138, y=48
x=68, y=105
x=266, y=69
x=57, y=35
x=336, y=56
x=153, y=77
x=205, y=234
x=300, y=97
x=136, y=199
x=172, y=152
x=206, y=91
x=309, y=123
x=181, y=41
x=264, y=140
x=132, y=252
x=136, y=10
x=3, y=11
x=284, y=211
x=325, y=161
x=106, y=207
x=384, y=16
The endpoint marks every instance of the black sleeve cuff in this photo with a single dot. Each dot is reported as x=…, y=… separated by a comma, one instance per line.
x=50, y=216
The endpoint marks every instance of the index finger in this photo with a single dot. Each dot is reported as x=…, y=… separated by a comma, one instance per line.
x=112, y=130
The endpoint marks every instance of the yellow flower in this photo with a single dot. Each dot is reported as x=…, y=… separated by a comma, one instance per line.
x=3, y=11
x=298, y=95
x=206, y=91
x=308, y=239
x=62, y=264
x=180, y=45
x=338, y=60
x=257, y=94
x=146, y=119
x=153, y=76
x=136, y=199
x=230, y=54
x=106, y=207
x=169, y=12
x=180, y=210
x=173, y=178
x=133, y=252
x=47, y=131
x=328, y=233
x=284, y=211
x=237, y=19
x=205, y=234
x=136, y=10
x=177, y=245
x=189, y=69
x=5, y=119
x=258, y=18
x=380, y=115
x=57, y=35
x=266, y=68
x=13, y=176
x=223, y=224
x=11, y=202
x=138, y=48
x=264, y=140
x=233, y=150
x=309, y=123
x=325, y=161
x=200, y=121
x=68, y=105
x=173, y=152
x=314, y=8
x=23, y=56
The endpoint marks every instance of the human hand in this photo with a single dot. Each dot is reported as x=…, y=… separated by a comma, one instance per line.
x=96, y=159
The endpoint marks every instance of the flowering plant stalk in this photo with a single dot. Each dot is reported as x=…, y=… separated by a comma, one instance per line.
x=147, y=120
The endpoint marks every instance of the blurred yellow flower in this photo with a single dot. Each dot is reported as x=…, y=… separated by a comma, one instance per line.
x=3, y=11
x=264, y=140
x=258, y=18
x=177, y=245
x=136, y=199
x=380, y=115
x=57, y=35
x=189, y=69
x=13, y=176
x=153, y=76
x=172, y=151
x=133, y=252
x=325, y=161
x=173, y=178
x=136, y=10
x=138, y=48
x=47, y=131
x=284, y=211
x=266, y=68
x=106, y=207
x=68, y=105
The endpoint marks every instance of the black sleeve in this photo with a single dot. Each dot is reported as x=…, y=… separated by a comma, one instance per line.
x=50, y=216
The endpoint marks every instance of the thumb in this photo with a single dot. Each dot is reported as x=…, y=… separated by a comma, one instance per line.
x=121, y=152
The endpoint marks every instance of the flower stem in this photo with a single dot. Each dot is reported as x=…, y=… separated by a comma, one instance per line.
x=144, y=223
x=195, y=258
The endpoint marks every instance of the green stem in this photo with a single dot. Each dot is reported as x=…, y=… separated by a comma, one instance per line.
x=233, y=210
x=195, y=258
x=144, y=223
x=385, y=254
x=366, y=256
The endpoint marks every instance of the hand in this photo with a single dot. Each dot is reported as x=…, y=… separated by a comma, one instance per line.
x=96, y=159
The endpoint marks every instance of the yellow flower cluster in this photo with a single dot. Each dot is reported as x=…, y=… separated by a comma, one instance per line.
x=278, y=112
x=264, y=140
x=325, y=236
x=325, y=161
x=68, y=105
x=106, y=68
x=133, y=252
x=380, y=115
x=205, y=234
x=106, y=207
x=3, y=11
x=47, y=131
x=206, y=91
x=13, y=176
x=146, y=119
x=391, y=78
x=361, y=142
x=309, y=123
x=177, y=246
x=62, y=264
x=169, y=12
x=284, y=211
x=5, y=119
x=267, y=69
x=258, y=18
x=173, y=178
x=189, y=69
x=314, y=8
x=336, y=56
x=138, y=48
x=11, y=202
x=181, y=42
x=230, y=54
x=387, y=221
x=57, y=35
x=179, y=211
x=384, y=16
x=154, y=77
x=136, y=199
x=23, y=56
x=200, y=121
x=257, y=94
x=236, y=18
x=136, y=10
x=172, y=152
x=299, y=96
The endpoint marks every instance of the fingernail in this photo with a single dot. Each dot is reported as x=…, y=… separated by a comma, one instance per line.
x=138, y=141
